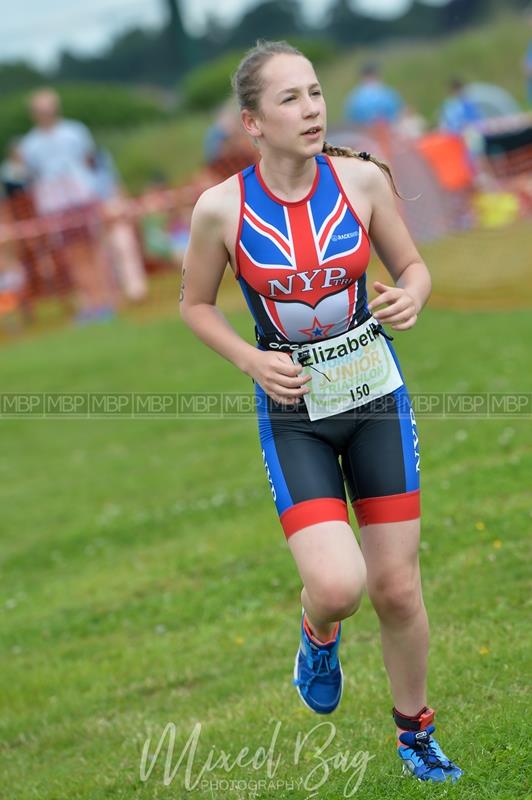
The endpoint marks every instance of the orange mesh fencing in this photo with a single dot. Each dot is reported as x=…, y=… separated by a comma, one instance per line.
x=448, y=158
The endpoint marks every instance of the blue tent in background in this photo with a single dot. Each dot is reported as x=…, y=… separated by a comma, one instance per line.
x=492, y=100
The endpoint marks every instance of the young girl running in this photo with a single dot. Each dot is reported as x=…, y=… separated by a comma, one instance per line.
x=333, y=409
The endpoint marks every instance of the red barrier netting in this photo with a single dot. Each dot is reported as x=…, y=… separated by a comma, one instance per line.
x=97, y=256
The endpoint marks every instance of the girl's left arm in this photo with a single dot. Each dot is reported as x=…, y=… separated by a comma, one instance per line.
x=397, y=251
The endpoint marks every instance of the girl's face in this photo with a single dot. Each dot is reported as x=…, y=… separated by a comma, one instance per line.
x=292, y=114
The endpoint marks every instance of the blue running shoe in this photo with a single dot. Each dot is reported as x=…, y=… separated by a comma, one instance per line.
x=424, y=759
x=317, y=672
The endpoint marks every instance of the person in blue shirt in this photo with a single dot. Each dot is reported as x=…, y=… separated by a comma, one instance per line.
x=458, y=110
x=372, y=100
x=527, y=64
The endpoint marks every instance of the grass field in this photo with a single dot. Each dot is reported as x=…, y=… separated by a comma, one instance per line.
x=146, y=580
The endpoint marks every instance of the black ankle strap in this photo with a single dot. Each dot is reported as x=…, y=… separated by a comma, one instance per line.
x=416, y=723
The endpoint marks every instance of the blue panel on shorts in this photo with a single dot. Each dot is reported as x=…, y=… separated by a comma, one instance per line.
x=409, y=434
x=409, y=438
x=280, y=492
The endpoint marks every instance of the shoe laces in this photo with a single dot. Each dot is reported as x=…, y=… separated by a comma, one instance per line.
x=323, y=664
x=424, y=746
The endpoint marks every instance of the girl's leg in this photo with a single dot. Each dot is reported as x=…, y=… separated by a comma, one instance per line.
x=308, y=489
x=394, y=588
x=333, y=572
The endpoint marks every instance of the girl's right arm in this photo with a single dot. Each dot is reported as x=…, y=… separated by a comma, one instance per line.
x=203, y=268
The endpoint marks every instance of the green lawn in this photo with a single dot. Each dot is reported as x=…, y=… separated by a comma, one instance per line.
x=146, y=580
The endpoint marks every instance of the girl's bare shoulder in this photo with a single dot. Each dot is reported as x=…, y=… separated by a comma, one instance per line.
x=220, y=202
x=357, y=172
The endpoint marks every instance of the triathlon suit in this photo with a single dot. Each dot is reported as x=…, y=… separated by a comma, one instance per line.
x=302, y=269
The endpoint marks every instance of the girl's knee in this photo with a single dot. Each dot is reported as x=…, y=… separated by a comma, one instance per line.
x=338, y=598
x=395, y=596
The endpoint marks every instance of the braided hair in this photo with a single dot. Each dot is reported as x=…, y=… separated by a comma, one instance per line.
x=332, y=150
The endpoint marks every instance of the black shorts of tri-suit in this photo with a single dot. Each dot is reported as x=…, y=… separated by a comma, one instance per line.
x=372, y=449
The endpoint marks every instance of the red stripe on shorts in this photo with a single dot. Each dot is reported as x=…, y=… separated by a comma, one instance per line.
x=309, y=512
x=389, y=508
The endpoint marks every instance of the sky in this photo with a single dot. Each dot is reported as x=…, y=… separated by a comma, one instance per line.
x=37, y=30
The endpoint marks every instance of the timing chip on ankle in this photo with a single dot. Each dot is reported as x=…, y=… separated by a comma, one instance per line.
x=417, y=723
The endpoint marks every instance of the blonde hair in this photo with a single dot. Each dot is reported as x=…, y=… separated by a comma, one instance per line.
x=332, y=150
x=248, y=86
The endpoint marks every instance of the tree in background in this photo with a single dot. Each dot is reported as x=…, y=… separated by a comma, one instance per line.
x=274, y=19
x=163, y=57
x=177, y=40
x=17, y=75
x=458, y=13
x=348, y=27
x=340, y=23
x=135, y=56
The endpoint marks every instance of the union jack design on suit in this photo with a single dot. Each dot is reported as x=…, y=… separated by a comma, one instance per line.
x=302, y=269
x=301, y=265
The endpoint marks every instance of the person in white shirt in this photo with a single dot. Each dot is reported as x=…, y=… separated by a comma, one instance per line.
x=59, y=156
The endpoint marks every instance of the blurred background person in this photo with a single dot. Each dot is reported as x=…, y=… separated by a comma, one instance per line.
x=410, y=124
x=13, y=285
x=226, y=149
x=30, y=252
x=226, y=126
x=462, y=116
x=458, y=110
x=121, y=242
x=58, y=154
x=372, y=101
x=14, y=174
x=527, y=63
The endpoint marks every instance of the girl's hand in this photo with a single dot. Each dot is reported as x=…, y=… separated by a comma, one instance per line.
x=401, y=311
x=279, y=376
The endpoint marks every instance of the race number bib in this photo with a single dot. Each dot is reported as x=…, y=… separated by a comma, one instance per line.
x=347, y=370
